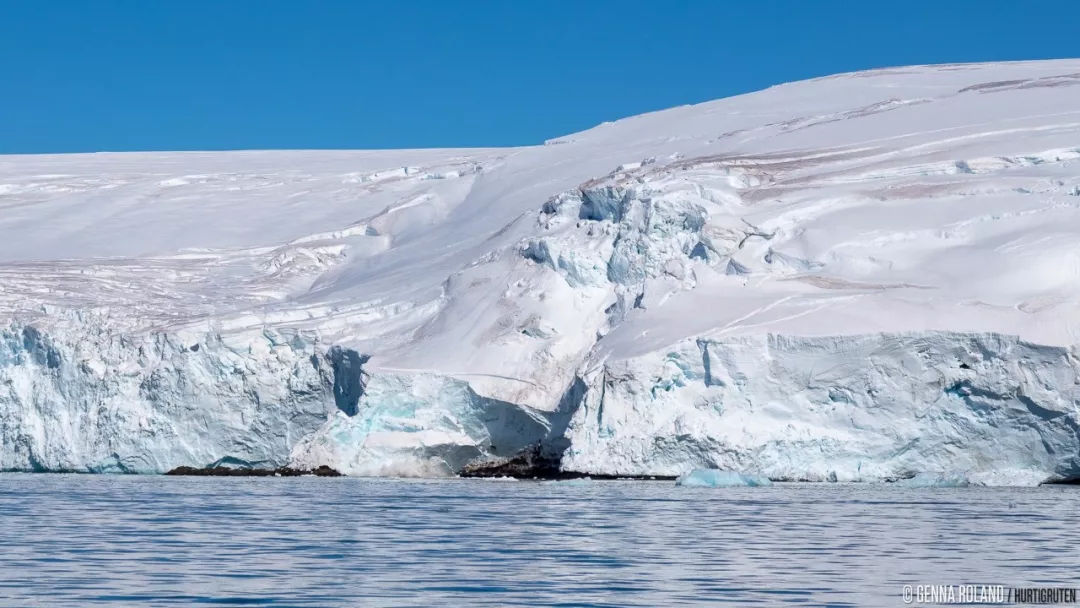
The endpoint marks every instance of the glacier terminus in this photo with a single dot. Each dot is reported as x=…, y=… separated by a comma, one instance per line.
x=871, y=276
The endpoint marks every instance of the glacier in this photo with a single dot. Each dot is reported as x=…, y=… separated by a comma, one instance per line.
x=871, y=276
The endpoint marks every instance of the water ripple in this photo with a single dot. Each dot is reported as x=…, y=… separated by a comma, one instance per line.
x=119, y=541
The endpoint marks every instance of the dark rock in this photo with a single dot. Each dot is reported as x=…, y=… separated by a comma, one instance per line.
x=1068, y=481
x=325, y=471
x=535, y=463
x=528, y=463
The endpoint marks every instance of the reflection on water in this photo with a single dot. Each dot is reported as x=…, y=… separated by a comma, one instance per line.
x=118, y=540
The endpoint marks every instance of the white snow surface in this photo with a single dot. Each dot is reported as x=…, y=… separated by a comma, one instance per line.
x=867, y=276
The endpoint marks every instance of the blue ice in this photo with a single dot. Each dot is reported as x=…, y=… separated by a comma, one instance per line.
x=715, y=478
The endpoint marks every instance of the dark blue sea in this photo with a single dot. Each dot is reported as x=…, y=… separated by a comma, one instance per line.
x=82, y=540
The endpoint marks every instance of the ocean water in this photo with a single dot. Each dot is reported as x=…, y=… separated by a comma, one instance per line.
x=81, y=540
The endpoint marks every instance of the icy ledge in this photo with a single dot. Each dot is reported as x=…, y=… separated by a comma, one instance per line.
x=981, y=409
x=86, y=398
x=987, y=408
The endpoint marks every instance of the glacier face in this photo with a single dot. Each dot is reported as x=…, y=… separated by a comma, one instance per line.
x=420, y=426
x=101, y=401
x=985, y=407
x=863, y=277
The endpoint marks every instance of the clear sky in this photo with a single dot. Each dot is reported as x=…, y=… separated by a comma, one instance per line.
x=231, y=74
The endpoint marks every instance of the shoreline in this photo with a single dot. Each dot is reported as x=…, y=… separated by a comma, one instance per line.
x=326, y=471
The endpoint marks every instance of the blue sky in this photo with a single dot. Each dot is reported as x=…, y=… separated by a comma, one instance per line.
x=188, y=75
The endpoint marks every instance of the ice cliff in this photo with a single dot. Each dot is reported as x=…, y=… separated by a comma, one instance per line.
x=89, y=399
x=991, y=408
x=871, y=276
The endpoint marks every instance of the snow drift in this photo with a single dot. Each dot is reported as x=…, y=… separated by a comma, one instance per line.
x=870, y=276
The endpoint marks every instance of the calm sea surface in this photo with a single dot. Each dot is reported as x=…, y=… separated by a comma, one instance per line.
x=80, y=540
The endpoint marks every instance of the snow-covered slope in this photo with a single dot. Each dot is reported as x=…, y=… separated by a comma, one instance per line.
x=864, y=276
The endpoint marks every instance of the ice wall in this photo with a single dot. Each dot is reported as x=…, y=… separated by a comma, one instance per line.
x=984, y=407
x=86, y=398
